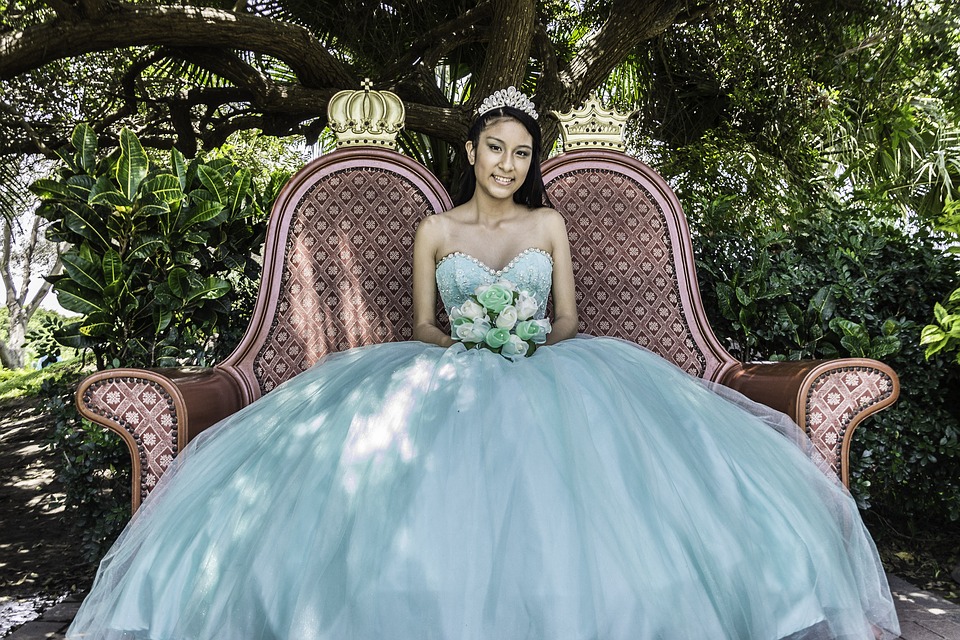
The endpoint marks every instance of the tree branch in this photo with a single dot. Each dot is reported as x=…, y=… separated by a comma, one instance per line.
x=94, y=8
x=64, y=10
x=508, y=48
x=31, y=133
x=6, y=252
x=228, y=66
x=614, y=41
x=435, y=43
x=174, y=26
x=45, y=288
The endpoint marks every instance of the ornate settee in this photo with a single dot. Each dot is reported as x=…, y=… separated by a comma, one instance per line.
x=337, y=274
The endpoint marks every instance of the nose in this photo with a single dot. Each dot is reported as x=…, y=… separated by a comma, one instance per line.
x=506, y=161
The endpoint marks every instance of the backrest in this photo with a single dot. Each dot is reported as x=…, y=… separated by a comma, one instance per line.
x=632, y=258
x=338, y=264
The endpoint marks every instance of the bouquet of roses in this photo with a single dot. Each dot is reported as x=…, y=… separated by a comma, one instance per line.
x=498, y=317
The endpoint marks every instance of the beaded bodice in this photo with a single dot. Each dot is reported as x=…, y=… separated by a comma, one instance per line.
x=459, y=274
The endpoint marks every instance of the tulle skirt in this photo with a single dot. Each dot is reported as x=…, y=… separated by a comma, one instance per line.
x=405, y=491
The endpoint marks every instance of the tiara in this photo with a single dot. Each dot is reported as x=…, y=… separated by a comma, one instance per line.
x=509, y=97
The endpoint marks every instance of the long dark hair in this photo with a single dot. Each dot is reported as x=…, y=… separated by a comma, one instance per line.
x=532, y=194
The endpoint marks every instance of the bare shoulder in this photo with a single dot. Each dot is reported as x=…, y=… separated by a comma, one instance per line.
x=432, y=228
x=551, y=220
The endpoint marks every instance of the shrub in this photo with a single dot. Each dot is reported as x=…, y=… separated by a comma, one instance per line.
x=156, y=250
x=839, y=284
x=94, y=469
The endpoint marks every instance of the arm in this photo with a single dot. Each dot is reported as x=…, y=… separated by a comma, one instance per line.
x=565, y=322
x=425, y=245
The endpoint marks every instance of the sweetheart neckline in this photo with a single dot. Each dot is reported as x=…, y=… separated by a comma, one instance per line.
x=490, y=269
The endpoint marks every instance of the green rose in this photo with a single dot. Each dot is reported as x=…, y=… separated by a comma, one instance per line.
x=528, y=329
x=495, y=297
x=496, y=337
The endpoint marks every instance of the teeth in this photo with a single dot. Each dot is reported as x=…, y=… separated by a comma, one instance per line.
x=503, y=180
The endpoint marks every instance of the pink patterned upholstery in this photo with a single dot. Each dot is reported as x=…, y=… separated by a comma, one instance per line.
x=836, y=402
x=339, y=266
x=146, y=412
x=632, y=257
x=347, y=271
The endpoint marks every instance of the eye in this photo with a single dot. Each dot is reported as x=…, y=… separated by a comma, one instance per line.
x=523, y=153
x=495, y=147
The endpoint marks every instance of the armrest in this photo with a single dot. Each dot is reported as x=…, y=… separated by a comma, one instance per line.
x=156, y=412
x=827, y=398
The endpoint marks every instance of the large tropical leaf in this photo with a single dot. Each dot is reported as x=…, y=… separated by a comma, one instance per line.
x=204, y=211
x=112, y=267
x=179, y=282
x=210, y=288
x=74, y=297
x=165, y=187
x=213, y=181
x=84, y=140
x=132, y=166
x=86, y=273
x=85, y=222
x=238, y=190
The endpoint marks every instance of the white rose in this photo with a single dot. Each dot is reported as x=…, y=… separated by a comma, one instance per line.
x=480, y=289
x=473, y=310
x=507, y=318
x=506, y=284
x=455, y=313
x=480, y=328
x=527, y=306
x=464, y=332
x=514, y=347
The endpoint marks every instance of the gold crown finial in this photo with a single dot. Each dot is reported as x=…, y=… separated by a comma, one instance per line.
x=592, y=126
x=366, y=117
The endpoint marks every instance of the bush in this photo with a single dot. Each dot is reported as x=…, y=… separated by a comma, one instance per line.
x=841, y=284
x=94, y=469
x=157, y=251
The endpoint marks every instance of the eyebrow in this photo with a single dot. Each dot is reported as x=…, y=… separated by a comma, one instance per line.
x=495, y=139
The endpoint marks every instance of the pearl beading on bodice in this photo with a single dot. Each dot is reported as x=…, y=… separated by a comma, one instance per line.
x=459, y=274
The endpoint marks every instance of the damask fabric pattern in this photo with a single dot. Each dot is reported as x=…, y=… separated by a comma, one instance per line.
x=833, y=401
x=624, y=264
x=146, y=412
x=347, y=272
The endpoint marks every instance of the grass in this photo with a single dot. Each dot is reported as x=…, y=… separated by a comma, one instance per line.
x=18, y=383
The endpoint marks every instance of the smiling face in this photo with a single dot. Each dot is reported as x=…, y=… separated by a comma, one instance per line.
x=501, y=157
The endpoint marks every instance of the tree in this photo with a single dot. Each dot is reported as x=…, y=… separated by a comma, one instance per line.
x=25, y=255
x=274, y=65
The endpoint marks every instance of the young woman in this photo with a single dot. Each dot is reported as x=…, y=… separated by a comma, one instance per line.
x=423, y=490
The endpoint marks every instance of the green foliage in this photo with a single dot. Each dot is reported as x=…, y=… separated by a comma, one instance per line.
x=94, y=470
x=945, y=335
x=842, y=285
x=42, y=339
x=156, y=252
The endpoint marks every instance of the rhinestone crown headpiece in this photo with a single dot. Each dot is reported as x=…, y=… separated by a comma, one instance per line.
x=509, y=97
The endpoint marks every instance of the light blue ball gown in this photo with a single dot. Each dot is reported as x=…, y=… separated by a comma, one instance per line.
x=409, y=492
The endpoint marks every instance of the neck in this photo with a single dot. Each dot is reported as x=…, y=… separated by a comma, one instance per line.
x=492, y=212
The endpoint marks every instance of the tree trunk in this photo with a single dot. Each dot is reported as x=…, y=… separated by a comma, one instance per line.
x=12, y=353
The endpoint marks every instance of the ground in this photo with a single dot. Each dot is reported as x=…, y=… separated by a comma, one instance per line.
x=39, y=562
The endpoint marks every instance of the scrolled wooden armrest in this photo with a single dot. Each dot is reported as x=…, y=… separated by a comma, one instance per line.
x=156, y=412
x=827, y=398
